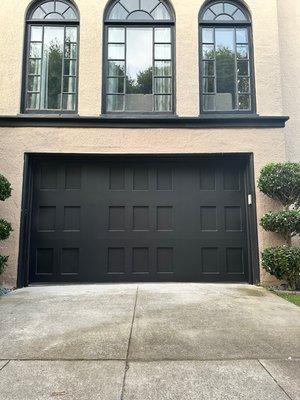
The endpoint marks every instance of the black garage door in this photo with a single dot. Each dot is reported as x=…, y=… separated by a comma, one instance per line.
x=138, y=219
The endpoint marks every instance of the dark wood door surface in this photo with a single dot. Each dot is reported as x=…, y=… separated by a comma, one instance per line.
x=138, y=219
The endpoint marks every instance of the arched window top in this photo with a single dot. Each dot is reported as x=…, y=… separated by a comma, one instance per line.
x=139, y=10
x=224, y=11
x=58, y=10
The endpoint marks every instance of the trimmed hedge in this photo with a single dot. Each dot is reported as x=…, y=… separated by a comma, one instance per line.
x=283, y=262
x=5, y=227
x=286, y=223
x=5, y=188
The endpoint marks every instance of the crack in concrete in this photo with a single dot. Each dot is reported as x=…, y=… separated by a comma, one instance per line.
x=4, y=365
x=277, y=383
x=128, y=347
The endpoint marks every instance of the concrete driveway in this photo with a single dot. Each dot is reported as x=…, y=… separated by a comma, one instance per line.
x=148, y=342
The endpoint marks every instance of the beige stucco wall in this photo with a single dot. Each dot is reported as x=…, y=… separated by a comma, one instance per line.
x=266, y=144
x=266, y=49
x=289, y=23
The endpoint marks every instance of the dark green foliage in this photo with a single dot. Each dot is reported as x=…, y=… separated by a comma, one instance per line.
x=286, y=223
x=5, y=188
x=283, y=262
x=5, y=229
x=281, y=182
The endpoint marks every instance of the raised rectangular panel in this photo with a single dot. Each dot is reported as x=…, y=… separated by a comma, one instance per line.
x=235, y=260
x=116, y=260
x=140, y=179
x=44, y=261
x=233, y=219
x=116, y=178
x=72, y=218
x=116, y=218
x=73, y=177
x=210, y=260
x=164, y=179
x=164, y=218
x=207, y=176
x=46, y=218
x=164, y=260
x=140, y=260
x=48, y=177
x=231, y=179
x=208, y=218
x=140, y=218
x=69, y=261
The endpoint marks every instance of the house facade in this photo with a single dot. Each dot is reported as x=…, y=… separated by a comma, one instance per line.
x=133, y=133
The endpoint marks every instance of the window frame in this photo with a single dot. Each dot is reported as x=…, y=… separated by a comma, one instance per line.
x=107, y=23
x=29, y=22
x=227, y=24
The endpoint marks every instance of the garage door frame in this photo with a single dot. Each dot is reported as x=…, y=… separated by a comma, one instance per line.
x=27, y=192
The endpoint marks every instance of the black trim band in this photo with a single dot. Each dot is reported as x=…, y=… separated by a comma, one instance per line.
x=228, y=121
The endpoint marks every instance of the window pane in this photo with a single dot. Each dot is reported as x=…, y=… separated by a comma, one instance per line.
x=70, y=67
x=243, y=85
x=38, y=14
x=225, y=69
x=34, y=83
x=116, y=35
x=116, y=68
x=163, y=51
x=115, y=85
x=34, y=67
x=118, y=12
x=242, y=36
x=70, y=14
x=163, y=103
x=130, y=5
x=162, y=35
x=239, y=16
x=208, y=68
x=35, y=50
x=139, y=15
x=69, y=102
x=223, y=17
x=33, y=100
x=55, y=16
x=52, y=68
x=36, y=34
x=71, y=34
x=209, y=103
x=60, y=7
x=160, y=12
x=230, y=8
x=139, y=60
x=163, y=85
x=209, y=85
x=163, y=68
x=148, y=5
x=48, y=7
x=244, y=102
x=115, y=103
x=207, y=35
x=208, y=52
x=217, y=8
x=242, y=51
x=69, y=84
x=139, y=102
x=243, y=67
x=208, y=15
x=116, y=51
x=71, y=50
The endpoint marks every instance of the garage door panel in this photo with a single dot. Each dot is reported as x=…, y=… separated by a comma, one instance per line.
x=138, y=219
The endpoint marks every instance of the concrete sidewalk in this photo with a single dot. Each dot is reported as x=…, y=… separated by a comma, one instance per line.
x=148, y=341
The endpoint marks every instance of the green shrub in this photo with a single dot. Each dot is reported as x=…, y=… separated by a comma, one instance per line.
x=286, y=223
x=281, y=182
x=5, y=188
x=283, y=262
x=3, y=263
x=5, y=229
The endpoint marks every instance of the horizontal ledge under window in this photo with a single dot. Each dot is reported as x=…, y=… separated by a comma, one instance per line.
x=144, y=121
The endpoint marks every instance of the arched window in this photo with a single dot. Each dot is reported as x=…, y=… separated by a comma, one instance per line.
x=51, y=58
x=226, y=67
x=139, y=53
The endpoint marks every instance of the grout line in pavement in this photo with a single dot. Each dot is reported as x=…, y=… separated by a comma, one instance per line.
x=4, y=365
x=128, y=347
x=277, y=383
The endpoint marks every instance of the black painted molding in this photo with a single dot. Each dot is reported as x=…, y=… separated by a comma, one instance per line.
x=109, y=121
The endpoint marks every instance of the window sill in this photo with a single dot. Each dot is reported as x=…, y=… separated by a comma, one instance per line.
x=142, y=121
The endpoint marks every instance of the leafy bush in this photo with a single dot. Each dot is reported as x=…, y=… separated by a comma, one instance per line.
x=3, y=263
x=5, y=229
x=5, y=188
x=281, y=182
x=286, y=223
x=283, y=262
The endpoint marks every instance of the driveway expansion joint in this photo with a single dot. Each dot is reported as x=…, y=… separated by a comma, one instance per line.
x=4, y=365
x=278, y=384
